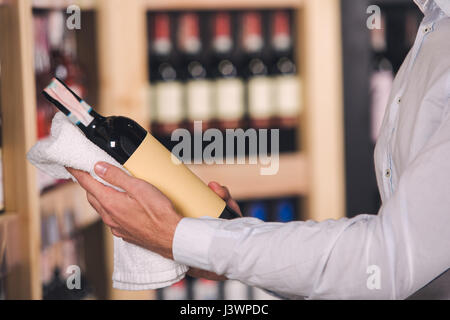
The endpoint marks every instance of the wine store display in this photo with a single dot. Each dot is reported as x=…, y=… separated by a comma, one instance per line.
x=55, y=54
x=61, y=255
x=228, y=69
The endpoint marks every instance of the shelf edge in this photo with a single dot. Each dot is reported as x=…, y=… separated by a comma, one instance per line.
x=63, y=4
x=220, y=4
x=246, y=182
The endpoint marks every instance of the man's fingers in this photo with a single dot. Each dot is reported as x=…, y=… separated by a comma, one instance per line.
x=115, y=176
x=220, y=190
x=89, y=184
x=233, y=205
x=224, y=193
x=107, y=219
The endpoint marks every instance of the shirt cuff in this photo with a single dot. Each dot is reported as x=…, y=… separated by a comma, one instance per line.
x=192, y=240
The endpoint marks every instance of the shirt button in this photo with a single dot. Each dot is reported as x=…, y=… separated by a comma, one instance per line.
x=387, y=174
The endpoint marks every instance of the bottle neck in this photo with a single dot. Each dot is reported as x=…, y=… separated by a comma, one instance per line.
x=162, y=44
x=222, y=42
x=281, y=33
x=252, y=39
x=189, y=35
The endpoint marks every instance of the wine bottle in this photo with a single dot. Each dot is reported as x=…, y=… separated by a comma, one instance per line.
x=167, y=89
x=286, y=83
x=198, y=90
x=236, y=290
x=257, y=209
x=259, y=86
x=285, y=211
x=141, y=154
x=228, y=86
x=204, y=289
x=63, y=50
x=197, y=85
x=177, y=291
x=42, y=66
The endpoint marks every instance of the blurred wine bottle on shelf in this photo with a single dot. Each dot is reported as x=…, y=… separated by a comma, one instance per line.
x=64, y=61
x=197, y=83
x=229, y=90
x=259, y=86
x=284, y=210
x=228, y=69
x=286, y=87
x=236, y=290
x=204, y=289
x=381, y=78
x=42, y=70
x=51, y=274
x=72, y=254
x=257, y=209
x=62, y=250
x=165, y=78
x=198, y=88
x=272, y=209
x=260, y=294
x=55, y=53
x=177, y=291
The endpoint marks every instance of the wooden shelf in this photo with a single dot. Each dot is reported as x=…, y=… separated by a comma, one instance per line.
x=63, y=4
x=220, y=4
x=246, y=181
x=121, y=62
x=7, y=217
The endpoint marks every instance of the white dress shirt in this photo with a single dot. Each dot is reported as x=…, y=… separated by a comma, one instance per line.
x=386, y=256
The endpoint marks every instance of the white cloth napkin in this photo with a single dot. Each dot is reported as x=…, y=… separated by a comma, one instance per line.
x=135, y=268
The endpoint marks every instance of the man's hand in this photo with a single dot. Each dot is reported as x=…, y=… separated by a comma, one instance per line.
x=141, y=215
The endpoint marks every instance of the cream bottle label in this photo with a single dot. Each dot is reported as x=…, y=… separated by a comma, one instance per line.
x=288, y=95
x=260, y=102
x=168, y=102
x=229, y=98
x=199, y=99
x=191, y=197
